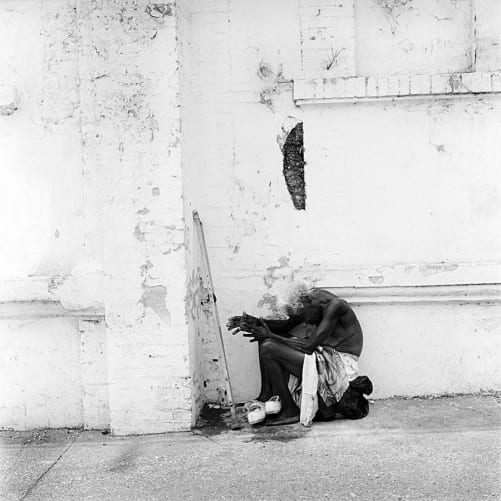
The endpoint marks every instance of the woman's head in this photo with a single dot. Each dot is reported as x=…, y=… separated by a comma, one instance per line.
x=313, y=303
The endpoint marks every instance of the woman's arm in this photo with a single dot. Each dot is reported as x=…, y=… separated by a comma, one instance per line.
x=283, y=327
x=336, y=308
x=332, y=314
x=248, y=322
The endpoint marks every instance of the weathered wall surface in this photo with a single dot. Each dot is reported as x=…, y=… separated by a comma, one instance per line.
x=133, y=114
x=131, y=129
x=242, y=95
x=400, y=195
x=41, y=387
x=92, y=161
x=195, y=313
x=40, y=141
x=43, y=220
x=447, y=348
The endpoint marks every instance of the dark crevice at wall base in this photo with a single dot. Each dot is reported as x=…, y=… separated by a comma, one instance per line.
x=293, y=170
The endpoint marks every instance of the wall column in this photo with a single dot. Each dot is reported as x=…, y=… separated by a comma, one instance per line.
x=130, y=121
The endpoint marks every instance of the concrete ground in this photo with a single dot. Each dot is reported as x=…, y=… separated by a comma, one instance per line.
x=445, y=448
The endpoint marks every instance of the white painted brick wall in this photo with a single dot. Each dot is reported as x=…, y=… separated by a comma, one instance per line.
x=422, y=37
x=111, y=144
x=98, y=111
x=94, y=374
x=258, y=242
x=487, y=14
x=132, y=130
x=327, y=37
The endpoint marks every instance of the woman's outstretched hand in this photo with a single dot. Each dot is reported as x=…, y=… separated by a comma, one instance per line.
x=258, y=331
x=242, y=323
x=233, y=323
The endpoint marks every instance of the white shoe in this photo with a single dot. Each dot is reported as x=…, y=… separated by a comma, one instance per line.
x=256, y=413
x=273, y=405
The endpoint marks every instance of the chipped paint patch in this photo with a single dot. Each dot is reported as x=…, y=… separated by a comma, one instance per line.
x=154, y=297
x=55, y=282
x=144, y=268
x=159, y=10
x=270, y=301
x=432, y=269
x=138, y=234
x=376, y=279
x=270, y=278
x=264, y=71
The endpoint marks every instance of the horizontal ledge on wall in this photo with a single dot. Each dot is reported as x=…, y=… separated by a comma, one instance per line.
x=45, y=309
x=424, y=294
x=395, y=87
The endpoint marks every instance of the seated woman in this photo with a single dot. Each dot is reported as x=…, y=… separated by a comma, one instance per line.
x=336, y=342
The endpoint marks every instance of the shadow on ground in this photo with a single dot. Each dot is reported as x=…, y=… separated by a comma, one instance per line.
x=215, y=420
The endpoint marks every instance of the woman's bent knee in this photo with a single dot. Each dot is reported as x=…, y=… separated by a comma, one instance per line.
x=267, y=348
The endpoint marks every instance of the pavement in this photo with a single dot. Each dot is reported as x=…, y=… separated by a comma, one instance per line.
x=405, y=449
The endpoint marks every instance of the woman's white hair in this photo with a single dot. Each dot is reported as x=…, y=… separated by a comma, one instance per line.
x=299, y=294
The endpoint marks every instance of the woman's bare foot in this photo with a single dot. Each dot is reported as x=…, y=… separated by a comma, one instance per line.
x=287, y=416
x=279, y=421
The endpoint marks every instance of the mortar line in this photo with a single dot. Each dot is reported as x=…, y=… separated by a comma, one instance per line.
x=39, y=479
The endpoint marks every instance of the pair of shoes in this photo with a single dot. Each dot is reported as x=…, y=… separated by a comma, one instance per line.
x=257, y=411
x=249, y=403
x=273, y=405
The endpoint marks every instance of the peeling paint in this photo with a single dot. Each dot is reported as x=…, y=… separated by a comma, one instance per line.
x=8, y=109
x=55, y=282
x=159, y=10
x=138, y=234
x=144, y=268
x=269, y=278
x=266, y=97
x=376, y=279
x=174, y=248
x=143, y=212
x=269, y=300
x=455, y=82
x=154, y=297
x=393, y=10
x=433, y=269
x=264, y=71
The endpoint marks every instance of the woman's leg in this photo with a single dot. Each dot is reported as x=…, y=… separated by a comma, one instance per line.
x=278, y=362
x=266, y=390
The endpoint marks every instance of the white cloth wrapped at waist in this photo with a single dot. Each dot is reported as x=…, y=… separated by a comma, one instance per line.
x=326, y=372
